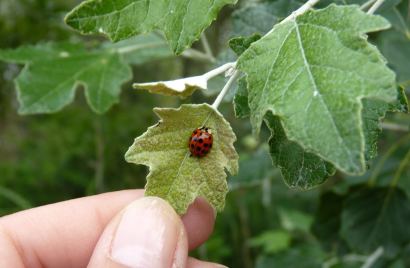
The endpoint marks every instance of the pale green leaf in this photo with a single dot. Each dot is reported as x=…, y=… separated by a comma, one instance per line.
x=271, y=241
x=182, y=21
x=312, y=73
x=181, y=87
x=376, y=217
x=175, y=175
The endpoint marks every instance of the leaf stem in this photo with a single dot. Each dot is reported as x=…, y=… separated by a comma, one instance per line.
x=395, y=127
x=375, y=6
x=305, y=7
x=207, y=47
x=221, y=69
x=403, y=164
x=367, y=4
x=225, y=90
x=197, y=55
x=373, y=258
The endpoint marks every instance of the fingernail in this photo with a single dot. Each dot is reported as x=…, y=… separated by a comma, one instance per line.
x=147, y=235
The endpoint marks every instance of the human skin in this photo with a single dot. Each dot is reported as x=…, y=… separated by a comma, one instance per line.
x=118, y=229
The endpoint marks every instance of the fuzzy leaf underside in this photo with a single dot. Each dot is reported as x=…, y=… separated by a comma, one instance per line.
x=176, y=176
x=181, y=87
x=182, y=21
x=53, y=71
x=313, y=73
x=302, y=169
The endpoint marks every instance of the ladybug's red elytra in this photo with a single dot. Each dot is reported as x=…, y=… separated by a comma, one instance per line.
x=200, y=142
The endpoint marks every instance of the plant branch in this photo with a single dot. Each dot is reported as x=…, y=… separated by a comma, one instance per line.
x=367, y=4
x=305, y=7
x=207, y=47
x=403, y=164
x=395, y=127
x=225, y=90
x=219, y=70
x=373, y=258
x=375, y=6
x=197, y=55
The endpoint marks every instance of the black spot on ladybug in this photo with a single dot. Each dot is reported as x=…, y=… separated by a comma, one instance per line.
x=200, y=140
x=192, y=146
x=198, y=148
x=206, y=145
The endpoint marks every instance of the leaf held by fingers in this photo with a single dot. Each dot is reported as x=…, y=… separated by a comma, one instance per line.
x=176, y=176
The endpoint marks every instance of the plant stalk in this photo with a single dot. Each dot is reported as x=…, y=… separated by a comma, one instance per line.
x=375, y=6
x=225, y=90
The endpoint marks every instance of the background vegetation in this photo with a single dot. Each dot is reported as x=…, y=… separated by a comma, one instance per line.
x=73, y=153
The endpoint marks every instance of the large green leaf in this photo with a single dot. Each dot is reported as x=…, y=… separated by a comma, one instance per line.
x=176, y=176
x=374, y=217
x=53, y=71
x=182, y=21
x=312, y=72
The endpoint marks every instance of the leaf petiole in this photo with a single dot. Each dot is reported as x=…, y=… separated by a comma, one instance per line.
x=225, y=90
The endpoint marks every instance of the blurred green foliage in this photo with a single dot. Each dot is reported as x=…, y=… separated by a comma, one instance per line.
x=73, y=153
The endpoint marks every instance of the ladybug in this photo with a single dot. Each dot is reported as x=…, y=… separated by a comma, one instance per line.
x=200, y=142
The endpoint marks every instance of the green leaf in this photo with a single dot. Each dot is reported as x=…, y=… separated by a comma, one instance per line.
x=299, y=168
x=395, y=46
x=271, y=241
x=241, y=44
x=302, y=256
x=327, y=220
x=295, y=220
x=53, y=71
x=376, y=217
x=240, y=100
x=182, y=21
x=176, y=176
x=181, y=87
x=312, y=73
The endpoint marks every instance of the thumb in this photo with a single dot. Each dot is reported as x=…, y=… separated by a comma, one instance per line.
x=147, y=233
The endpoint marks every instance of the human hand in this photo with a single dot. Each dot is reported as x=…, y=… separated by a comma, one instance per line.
x=118, y=229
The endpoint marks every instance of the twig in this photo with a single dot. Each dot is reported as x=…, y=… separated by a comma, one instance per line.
x=395, y=127
x=305, y=7
x=375, y=6
x=207, y=47
x=367, y=4
x=373, y=258
x=197, y=55
x=225, y=90
x=219, y=70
